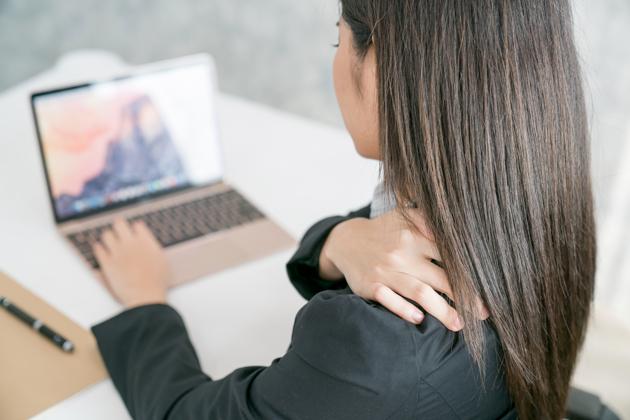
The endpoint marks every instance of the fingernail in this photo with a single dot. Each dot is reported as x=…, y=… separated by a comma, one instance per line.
x=417, y=316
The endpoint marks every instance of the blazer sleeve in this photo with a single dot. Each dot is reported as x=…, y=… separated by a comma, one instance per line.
x=334, y=368
x=303, y=267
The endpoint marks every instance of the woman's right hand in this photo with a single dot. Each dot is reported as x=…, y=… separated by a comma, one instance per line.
x=382, y=260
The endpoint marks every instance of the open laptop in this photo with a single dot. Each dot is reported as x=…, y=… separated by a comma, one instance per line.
x=146, y=146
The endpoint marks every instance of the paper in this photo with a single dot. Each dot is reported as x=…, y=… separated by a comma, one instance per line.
x=34, y=373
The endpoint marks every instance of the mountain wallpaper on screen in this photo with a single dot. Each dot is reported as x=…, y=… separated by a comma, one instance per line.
x=143, y=152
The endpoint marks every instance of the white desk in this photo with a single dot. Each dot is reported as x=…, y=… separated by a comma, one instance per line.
x=295, y=170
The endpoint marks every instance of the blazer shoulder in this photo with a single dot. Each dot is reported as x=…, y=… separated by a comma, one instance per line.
x=421, y=370
x=358, y=341
x=452, y=382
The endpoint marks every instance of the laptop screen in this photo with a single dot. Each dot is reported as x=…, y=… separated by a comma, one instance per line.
x=113, y=143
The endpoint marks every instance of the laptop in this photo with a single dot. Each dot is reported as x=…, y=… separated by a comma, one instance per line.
x=145, y=146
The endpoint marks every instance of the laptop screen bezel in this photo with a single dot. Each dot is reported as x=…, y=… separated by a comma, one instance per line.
x=140, y=72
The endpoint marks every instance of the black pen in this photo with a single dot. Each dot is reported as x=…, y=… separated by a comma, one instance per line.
x=37, y=325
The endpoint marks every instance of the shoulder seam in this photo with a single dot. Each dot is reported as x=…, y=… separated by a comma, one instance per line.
x=421, y=379
x=416, y=388
x=441, y=397
x=323, y=372
x=415, y=359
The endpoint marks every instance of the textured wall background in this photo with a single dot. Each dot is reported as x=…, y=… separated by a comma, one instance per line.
x=273, y=51
x=279, y=52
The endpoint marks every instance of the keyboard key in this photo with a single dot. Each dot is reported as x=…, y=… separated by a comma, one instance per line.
x=183, y=222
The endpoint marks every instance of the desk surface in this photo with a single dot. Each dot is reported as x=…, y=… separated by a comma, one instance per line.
x=295, y=170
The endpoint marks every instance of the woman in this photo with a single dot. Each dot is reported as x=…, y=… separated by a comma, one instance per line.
x=476, y=111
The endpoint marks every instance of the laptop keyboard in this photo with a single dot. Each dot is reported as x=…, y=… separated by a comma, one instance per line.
x=183, y=222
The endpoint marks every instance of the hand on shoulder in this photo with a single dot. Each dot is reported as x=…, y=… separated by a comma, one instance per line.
x=386, y=260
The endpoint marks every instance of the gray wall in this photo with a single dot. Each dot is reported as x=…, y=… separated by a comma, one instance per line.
x=273, y=51
x=603, y=31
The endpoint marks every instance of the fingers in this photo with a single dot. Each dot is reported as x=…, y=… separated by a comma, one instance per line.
x=109, y=240
x=432, y=275
x=145, y=233
x=428, y=299
x=420, y=239
x=112, y=239
x=104, y=259
x=423, y=236
x=122, y=229
x=396, y=304
x=435, y=277
x=101, y=254
x=141, y=228
x=428, y=248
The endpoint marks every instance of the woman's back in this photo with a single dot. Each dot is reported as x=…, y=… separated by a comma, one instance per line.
x=385, y=367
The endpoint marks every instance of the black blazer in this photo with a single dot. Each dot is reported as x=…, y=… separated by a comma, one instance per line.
x=348, y=359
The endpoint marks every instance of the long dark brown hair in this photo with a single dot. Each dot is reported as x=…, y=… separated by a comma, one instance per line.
x=482, y=123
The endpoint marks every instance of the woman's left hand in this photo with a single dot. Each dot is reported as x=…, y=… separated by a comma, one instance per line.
x=133, y=263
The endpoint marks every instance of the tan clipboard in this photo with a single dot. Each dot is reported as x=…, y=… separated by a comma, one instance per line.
x=35, y=374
